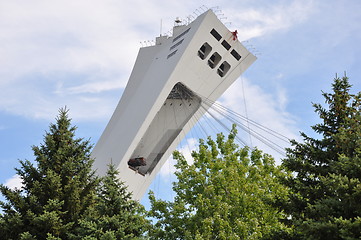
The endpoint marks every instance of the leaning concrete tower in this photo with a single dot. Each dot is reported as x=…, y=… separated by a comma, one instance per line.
x=164, y=95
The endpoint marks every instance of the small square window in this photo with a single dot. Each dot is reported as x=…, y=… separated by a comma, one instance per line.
x=223, y=69
x=226, y=45
x=204, y=50
x=216, y=35
x=214, y=60
x=235, y=54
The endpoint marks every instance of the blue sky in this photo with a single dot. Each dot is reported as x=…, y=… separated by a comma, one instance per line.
x=80, y=54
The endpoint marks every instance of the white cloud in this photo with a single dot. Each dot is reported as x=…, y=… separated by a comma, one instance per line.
x=14, y=182
x=95, y=87
x=80, y=54
x=256, y=22
x=72, y=48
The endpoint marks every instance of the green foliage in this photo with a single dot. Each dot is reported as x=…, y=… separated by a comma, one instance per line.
x=227, y=193
x=326, y=184
x=61, y=198
x=55, y=192
x=116, y=215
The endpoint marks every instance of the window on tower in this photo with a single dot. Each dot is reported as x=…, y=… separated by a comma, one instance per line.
x=204, y=50
x=216, y=35
x=172, y=54
x=235, y=54
x=176, y=45
x=226, y=45
x=223, y=69
x=214, y=60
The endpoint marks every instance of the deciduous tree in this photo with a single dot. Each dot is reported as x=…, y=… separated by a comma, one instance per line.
x=227, y=193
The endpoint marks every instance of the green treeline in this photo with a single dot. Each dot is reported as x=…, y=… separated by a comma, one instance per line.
x=227, y=192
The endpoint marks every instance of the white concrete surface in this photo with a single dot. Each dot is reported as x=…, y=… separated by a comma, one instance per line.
x=146, y=123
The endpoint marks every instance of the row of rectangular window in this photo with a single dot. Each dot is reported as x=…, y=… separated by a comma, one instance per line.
x=225, y=44
x=172, y=53
x=181, y=35
x=177, y=44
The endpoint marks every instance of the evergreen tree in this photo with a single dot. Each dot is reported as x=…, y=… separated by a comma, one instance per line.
x=116, y=215
x=326, y=184
x=227, y=193
x=55, y=192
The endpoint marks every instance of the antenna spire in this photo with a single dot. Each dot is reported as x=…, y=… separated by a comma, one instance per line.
x=160, y=33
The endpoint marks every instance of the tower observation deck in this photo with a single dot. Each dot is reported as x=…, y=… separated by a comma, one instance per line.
x=164, y=94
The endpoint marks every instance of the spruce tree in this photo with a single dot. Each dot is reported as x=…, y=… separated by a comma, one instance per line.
x=116, y=215
x=326, y=181
x=56, y=190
